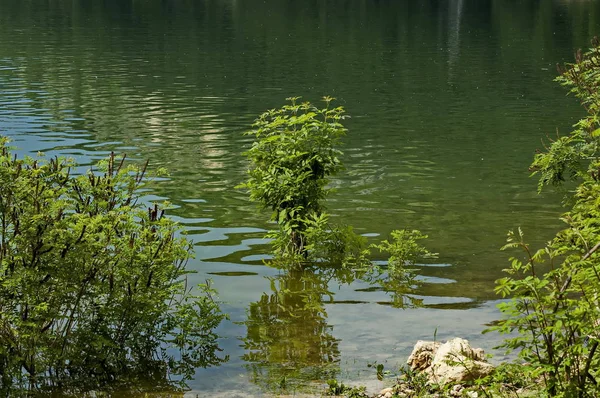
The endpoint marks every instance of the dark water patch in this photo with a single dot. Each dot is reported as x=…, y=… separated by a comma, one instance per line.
x=233, y=273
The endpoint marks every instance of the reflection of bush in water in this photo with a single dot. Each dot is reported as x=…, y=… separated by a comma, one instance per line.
x=288, y=338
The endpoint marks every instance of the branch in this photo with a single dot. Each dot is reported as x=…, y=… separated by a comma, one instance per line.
x=586, y=371
x=565, y=285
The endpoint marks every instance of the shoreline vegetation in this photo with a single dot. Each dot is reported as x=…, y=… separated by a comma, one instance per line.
x=552, y=309
x=93, y=291
x=93, y=287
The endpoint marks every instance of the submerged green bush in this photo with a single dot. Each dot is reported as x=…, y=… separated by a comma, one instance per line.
x=92, y=283
x=293, y=154
x=404, y=252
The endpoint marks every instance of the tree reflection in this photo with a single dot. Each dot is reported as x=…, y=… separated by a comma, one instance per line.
x=136, y=378
x=288, y=341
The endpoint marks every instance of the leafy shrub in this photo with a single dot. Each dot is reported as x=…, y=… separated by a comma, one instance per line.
x=336, y=388
x=322, y=242
x=292, y=156
x=555, y=290
x=404, y=252
x=92, y=282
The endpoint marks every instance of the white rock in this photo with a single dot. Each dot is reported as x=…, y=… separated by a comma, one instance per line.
x=456, y=390
x=422, y=354
x=456, y=362
x=452, y=362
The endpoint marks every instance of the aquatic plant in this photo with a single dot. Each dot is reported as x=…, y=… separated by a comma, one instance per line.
x=293, y=154
x=405, y=251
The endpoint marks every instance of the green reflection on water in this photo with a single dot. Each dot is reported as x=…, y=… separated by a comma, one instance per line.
x=287, y=334
x=288, y=340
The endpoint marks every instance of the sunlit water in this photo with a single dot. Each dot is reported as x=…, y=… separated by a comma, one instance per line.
x=449, y=100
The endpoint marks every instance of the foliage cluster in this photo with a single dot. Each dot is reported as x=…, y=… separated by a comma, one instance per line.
x=404, y=252
x=293, y=154
x=335, y=388
x=555, y=290
x=92, y=282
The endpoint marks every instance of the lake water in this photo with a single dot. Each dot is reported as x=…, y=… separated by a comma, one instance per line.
x=449, y=100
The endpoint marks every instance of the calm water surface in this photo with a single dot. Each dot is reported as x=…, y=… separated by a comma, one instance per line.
x=449, y=100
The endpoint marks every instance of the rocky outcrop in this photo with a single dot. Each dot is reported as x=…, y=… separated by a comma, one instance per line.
x=452, y=362
x=422, y=355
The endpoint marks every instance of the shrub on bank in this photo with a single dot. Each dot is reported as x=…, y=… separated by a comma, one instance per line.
x=92, y=282
x=554, y=308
